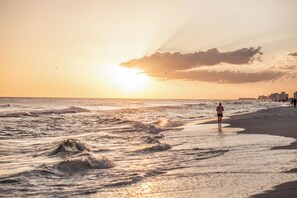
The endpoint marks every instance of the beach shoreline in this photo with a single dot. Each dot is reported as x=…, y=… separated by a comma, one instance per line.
x=279, y=121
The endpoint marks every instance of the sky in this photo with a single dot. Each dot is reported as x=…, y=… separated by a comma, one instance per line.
x=190, y=49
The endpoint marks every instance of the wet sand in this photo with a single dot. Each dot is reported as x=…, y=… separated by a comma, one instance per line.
x=285, y=190
x=276, y=121
x=281, y=121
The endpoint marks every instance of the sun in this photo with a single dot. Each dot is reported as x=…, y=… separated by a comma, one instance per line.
x=126, y=79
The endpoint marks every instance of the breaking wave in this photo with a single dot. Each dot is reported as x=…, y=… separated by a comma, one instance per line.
x=5, y=106
x=15, y=114
x=150, y=128
x=70, y=146
x=61, y=111
x=76, y=165
x=156, y=148
x=46, y=112
x=151, y=140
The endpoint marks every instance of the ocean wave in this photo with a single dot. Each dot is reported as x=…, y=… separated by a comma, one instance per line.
x=110, y=120
x=208, y=153
x=156, y=148
x=154, y=129
x=70, y=146
x=195, y=104
x=150, y=140
x=150, y=128
x=15, y=114
x=177, y=123
x=159, y=136
x=135, y=178
x=72, y=109
x=10, y=181
x=5, y=106
x=83, y=164
x=127, y=181
x=152, y=173
x=45, y=112
x=166, y=124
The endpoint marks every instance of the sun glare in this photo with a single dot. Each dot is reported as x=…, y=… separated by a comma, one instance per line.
x=129, y=79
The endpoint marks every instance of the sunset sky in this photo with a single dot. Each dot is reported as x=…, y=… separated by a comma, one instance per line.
x=148, y=48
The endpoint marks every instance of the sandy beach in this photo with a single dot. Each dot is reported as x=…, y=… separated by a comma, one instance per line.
x=279, y=121
x=275, y=121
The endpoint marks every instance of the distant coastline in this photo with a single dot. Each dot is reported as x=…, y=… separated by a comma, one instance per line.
x=247, y=99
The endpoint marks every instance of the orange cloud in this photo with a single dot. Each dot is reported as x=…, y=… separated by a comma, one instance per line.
x=293, y=54
x=164, y=62
x=170, y=66
x=233, y=77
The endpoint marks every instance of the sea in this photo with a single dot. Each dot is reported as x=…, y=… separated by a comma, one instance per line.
x=68, y=147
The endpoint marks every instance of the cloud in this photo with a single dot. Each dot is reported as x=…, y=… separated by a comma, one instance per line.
x=293, y=54
x=161, y=62
x=231, y=77
x=188, y=67
x=287, y=67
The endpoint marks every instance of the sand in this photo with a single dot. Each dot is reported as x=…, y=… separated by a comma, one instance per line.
x=276, y=121
x=281, y=121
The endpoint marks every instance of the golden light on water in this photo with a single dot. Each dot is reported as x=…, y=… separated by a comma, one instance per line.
x=163, y=122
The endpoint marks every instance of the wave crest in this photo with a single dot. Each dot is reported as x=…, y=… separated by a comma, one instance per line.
x=5, y=106
x=75, y=165
x=157, y=148
x=46, y=112
x=151, y=140
x=70, y=146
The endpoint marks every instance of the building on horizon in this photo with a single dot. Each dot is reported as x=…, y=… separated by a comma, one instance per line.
x=263, y=97
x=281, y=97
x=274, y=97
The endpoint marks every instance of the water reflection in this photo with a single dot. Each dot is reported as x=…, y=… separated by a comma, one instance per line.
x=219, y=128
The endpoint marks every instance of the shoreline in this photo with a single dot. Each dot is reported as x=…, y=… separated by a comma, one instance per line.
x=279, y=121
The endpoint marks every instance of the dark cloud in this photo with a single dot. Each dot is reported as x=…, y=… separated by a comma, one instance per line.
x=293, y=54
x=172, y=66
x=168, y=62
x=223, y=76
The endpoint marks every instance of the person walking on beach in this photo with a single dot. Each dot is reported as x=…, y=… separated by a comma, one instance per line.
x=220, y=110
x=294, y=101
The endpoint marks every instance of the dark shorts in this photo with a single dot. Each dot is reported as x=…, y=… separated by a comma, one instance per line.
x=220, y=115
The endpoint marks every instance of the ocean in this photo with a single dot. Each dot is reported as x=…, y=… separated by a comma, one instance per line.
x=133, y=148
